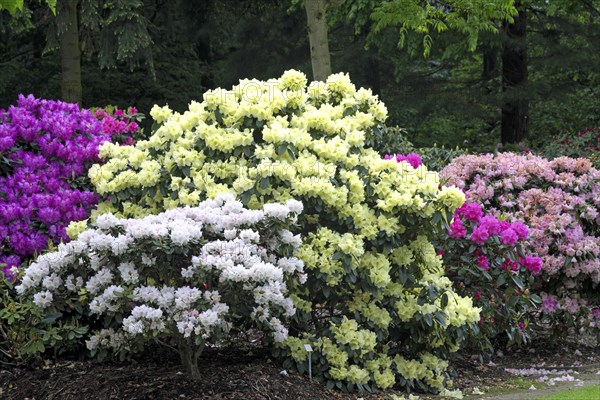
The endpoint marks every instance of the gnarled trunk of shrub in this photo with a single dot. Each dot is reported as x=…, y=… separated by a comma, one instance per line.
x=189, y=354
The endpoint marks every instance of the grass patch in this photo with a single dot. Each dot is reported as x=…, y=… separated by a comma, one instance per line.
x=581, y=393
x=509, y=385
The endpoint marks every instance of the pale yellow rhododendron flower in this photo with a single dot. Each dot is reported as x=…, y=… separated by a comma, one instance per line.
x=75, y=228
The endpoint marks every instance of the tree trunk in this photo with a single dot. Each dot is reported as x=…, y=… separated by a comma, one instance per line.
x=514, y=80
x=70, y=55
x=491, y=70
x=316, y=11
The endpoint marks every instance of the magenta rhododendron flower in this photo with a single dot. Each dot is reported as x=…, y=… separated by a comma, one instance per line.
x=509, y=237
x=457, y=230
x=480, y=235
x=533, y=264
x=491, y=224
x=483, y=263
x=509, y=265
x=521, y=229
x=471, y=211
x=412, y=158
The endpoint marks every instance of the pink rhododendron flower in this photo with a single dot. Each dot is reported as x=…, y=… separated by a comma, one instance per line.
x=570, y=305
x=549, y=303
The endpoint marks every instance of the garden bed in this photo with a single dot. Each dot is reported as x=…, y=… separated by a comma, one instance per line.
x=251, y=374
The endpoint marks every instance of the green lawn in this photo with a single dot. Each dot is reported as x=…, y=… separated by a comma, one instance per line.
x=582, y=393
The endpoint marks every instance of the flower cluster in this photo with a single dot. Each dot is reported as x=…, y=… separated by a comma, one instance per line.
x=412, y=158
x=559, y=200
x=366, y=220
x=46, y=148
x=189, y=273
x=121, y=125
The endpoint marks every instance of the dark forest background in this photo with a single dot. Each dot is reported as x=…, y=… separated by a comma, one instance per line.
x=140, y=53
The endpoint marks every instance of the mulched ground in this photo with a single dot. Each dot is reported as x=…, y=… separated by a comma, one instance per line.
x=231, y=374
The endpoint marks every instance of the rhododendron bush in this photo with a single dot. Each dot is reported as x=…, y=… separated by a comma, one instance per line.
x=559, y=200
x=46, y=148
x=376, y=307
x=188, y=274
x=485, y=257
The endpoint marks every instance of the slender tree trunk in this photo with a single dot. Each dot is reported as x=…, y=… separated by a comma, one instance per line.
x=490, y=62
x=317, y=36
x=491, y=70
x=514, y=80
x=70, y=55
x=374, y=77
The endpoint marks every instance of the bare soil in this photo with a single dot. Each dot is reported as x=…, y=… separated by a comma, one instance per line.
x=251, y=375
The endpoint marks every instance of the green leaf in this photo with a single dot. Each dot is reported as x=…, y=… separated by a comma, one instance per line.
x=432, y=293
x=50, y=318
x=281, y=149
x=246, y=196
x=264, y=183
x=444, y=300
x=51, y=5
x=218, y=115
x=501, y=280
x=518, y=281
x=428, y=319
